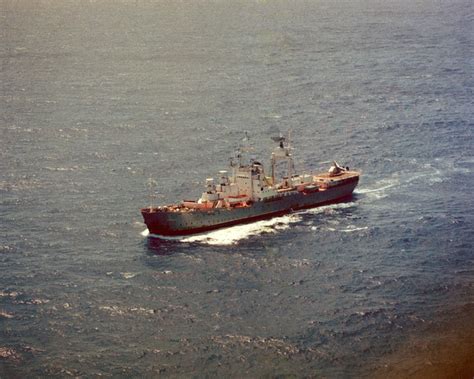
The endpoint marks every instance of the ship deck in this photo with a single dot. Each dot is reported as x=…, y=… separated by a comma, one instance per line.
x=340, y=176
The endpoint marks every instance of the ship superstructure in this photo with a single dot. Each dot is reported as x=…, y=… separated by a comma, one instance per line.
x=247, y=194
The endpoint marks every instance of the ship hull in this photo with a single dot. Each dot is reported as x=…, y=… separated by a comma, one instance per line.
x=175, y=223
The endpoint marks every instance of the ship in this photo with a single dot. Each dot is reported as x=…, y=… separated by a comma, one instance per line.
x=245, y=194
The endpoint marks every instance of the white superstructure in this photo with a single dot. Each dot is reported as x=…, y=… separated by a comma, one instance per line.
x=248, y=182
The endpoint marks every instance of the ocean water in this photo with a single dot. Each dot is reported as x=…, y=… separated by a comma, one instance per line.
x=99, y=96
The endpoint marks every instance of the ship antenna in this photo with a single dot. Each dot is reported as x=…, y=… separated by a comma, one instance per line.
x=151, y=187
x=290, y=158
x=244, y=148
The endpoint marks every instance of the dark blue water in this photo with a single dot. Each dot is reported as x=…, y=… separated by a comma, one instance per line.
x=97, y=97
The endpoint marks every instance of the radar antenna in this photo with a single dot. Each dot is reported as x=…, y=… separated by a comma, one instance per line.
x=280, y=139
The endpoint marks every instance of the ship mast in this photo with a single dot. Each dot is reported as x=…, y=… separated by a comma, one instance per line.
x=290, y=160
x=282, y=153
x=151, y=187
